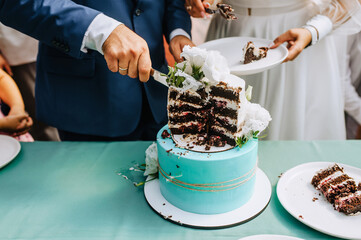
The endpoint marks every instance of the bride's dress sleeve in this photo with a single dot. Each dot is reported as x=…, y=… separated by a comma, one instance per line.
x=345, y=15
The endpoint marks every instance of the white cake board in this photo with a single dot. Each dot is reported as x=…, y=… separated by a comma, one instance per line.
x=189, y=145
x=246, y=212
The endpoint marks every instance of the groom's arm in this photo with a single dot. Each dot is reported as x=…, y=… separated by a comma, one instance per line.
x=57, y=23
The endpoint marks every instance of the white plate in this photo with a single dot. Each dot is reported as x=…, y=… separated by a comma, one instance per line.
x=9, y=148
x=270, y=237
x=295, y=192
x=232, y=49
x=248, y=211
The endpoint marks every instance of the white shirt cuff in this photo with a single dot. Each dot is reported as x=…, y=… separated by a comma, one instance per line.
x=177, y=32
x=322, y=25
x=97, y=32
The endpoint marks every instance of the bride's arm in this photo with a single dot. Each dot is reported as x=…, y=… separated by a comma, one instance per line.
x=339, y=15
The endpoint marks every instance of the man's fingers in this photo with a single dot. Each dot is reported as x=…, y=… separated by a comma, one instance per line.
x=198, y=6
x=112, y=62
x=176, y=52
x=144, y=67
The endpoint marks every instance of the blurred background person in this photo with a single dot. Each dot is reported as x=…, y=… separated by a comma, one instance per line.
x=18, y=58
x=17, y=122
x=349, y=49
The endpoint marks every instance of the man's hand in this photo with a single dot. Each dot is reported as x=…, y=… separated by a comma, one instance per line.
x=176, y=46
x=297, y=39
x=196, y=8
x=4, y=65
x=128, y=53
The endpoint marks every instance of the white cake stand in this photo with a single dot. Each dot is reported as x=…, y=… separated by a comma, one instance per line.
x=246, y=212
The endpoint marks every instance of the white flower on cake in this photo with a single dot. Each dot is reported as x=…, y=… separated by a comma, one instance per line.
x=215, y=67
x=189, y=81
x=151, y=160
x=256, y=120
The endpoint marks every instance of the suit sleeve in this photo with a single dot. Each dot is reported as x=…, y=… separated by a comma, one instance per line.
x=57, y=23
x=176, y=16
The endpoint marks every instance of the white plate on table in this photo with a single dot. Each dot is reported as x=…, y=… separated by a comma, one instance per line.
x=9, y=149
x=270, y=237
x=296, y=194
x=232, y=49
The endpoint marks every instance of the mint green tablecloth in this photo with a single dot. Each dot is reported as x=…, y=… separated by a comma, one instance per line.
x=69, y=190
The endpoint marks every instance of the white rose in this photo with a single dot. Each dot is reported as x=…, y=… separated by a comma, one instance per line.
x=151, y=160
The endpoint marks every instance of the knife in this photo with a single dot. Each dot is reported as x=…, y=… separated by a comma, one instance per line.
x=158, y=76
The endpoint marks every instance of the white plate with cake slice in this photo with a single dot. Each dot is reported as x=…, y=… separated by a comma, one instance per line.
x=300, y=198
x=232, y=49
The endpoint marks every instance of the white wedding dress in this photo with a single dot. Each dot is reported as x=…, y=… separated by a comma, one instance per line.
x=305, y=96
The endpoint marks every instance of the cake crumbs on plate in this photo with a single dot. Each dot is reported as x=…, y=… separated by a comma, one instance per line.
x=314, y=199
x=300, y=216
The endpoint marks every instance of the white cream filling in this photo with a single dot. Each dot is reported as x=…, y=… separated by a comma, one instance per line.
x=230, y=103
x=178, y=103
x=185, y=124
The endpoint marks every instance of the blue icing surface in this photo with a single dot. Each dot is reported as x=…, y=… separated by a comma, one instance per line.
x=206, y=183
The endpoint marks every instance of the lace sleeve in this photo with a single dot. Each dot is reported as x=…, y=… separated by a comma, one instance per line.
x=344, y=14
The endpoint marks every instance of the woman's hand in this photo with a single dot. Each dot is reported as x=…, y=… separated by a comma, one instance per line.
x=16, y=125
x=297, y=39
x=176, y=46
x=196, y=8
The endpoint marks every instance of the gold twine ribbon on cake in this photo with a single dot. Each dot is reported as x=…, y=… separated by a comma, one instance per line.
x=209, y=187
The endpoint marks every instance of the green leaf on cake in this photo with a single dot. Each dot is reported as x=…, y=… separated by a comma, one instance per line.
x=197, y=73
x=240, y=141
x=177, y=81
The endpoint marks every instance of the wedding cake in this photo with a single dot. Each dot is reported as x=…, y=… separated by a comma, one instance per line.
x=208, y=109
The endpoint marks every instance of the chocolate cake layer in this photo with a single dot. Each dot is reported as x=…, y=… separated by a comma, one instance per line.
x=192, y=129
x=227, y=112
x=221, y=92
x=190, y=117
x=325, y=173
x=337, y=186
x=349, y=203
x=221, y=123
x=189, y=99
x=185, y=108
x=227, y=139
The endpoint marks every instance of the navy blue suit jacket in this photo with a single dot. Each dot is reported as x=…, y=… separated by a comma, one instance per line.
x=76, y=91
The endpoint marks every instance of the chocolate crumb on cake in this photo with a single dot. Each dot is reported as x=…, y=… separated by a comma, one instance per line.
x=252, y=53
x=165, y=134
x=339, y=189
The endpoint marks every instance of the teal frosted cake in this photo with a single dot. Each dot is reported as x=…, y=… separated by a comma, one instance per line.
x=212, y=167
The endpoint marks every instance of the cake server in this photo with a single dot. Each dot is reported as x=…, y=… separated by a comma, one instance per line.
x=158, y=76
x=225, y=10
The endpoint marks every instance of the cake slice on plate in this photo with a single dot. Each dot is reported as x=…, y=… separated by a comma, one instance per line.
x=252, y=53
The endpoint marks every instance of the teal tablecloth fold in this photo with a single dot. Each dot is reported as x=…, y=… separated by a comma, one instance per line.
x=73, y=190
